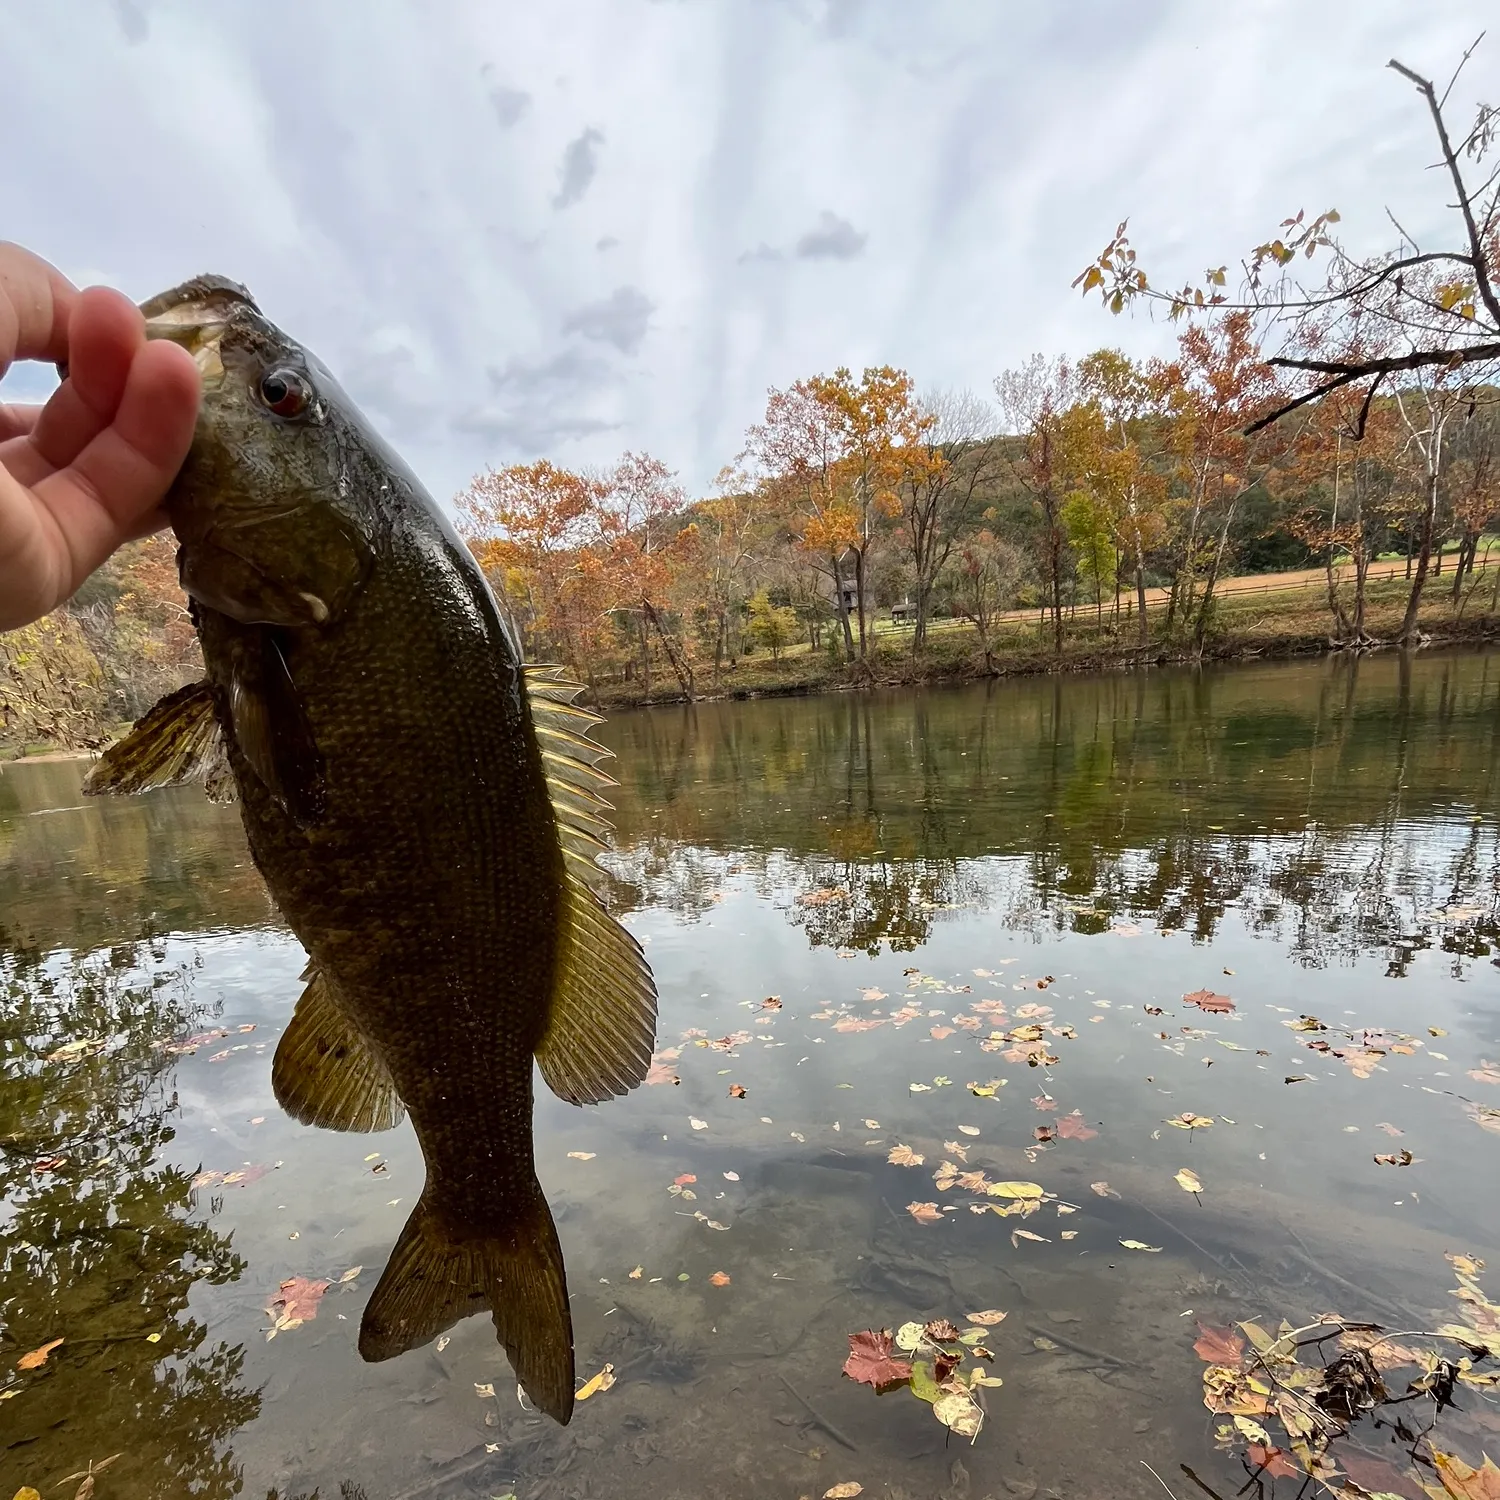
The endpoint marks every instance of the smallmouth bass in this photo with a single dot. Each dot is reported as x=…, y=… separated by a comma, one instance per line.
x=425, y=810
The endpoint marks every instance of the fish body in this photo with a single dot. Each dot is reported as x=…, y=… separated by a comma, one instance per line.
x=423, y=809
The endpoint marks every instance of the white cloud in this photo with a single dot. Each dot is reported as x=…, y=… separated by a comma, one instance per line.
x=396, y=199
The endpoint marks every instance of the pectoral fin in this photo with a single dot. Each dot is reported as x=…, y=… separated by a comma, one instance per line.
x=175, y=741
x=326, y=1073
x=272, y=730
x=603, y=1018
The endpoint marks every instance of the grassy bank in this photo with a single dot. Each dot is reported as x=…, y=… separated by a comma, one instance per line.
x=1290, y=622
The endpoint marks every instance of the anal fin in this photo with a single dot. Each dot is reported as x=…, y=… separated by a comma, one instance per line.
x=325, y=1072
x=175, y=741
x=603, y=1017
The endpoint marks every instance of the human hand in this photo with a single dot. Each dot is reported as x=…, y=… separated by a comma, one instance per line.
x=87, y=471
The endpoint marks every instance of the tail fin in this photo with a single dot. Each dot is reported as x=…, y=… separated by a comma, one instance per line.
x=432, y=1280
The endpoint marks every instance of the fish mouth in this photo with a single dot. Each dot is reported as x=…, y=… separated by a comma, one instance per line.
x=195, y=315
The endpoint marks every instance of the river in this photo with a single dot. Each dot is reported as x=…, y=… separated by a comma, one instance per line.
x=957, y=925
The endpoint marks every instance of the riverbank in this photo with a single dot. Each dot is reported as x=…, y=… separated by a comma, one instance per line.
x=1265, y=624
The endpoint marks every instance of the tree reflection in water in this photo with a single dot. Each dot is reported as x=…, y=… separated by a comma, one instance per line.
x=1341, y=807
x=97, y=1247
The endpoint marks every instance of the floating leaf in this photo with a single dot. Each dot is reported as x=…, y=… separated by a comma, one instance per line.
x=960, y=1413
x=941, y=1331
x=904, y=1156
x=1187, y=1120
x=1141, y=1245
x=845, y=1491
x=581, y=1155
x=1017, y=1235
x=296, y=1302
x=1187, y=1180
x=38, y=1357
x=736, y=1091
x=870, y=1360
x=1015, y=1190
x=909, y=1337
x=1206, y=1000
x=1401, y=1158
x=1274, y=1461
x=920, y=1088
x=1073, y=1127
x=987, y=1318
x=696, y=1123
x=719, y=1278
x=1486, y=1072
x=600, y=1382
x=350, y=1274
x=1465, y=1483
x=980, y=1378
x=1219, y=1346
x=924, y=1213
x=968, y=1130
x=1103, y=1189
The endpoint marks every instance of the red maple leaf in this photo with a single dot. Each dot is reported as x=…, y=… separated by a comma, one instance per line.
x=1206, y=1000
x=1219, y=1346
x=870, y=1360
x=1072, y=1128
x=1272, y=1461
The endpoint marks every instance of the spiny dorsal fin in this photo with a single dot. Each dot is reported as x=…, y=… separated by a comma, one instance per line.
x=571, y=759
x=177, y=740
x=325, y=1073
x=603, y=1019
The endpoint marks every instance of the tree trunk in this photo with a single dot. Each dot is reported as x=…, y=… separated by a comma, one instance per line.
x=1409, y=630
x=1200, y=629
x=679, y=663
x=841, y=607
x=859, y=595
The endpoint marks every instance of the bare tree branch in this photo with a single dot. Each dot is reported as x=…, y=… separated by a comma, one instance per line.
x=1476, y=244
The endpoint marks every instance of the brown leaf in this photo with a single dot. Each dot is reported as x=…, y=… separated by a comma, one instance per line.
x=904, y=1156
x=1044, y=1133
x=1154, y=1010
x=660, y=1073
x=924, y=1213
x=296, y=1302
x=845, y=1491
x=1395, y=1159
x=1486, y=1072
x=719, y=1278
x=941, y=1331
x=771, y=1002
x=870, y=1361
x=941, y=1033
x=1073, y=1128
x=1206, y=1000
x=736, y=1091
x=1219, y=1346
x=38, y=1357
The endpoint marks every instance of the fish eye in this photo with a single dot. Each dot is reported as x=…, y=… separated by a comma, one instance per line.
x=285, y=392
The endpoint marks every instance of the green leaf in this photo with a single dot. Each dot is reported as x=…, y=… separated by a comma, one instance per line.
x=923, y=1386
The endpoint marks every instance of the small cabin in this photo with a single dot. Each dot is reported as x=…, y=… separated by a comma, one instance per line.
x=903, y=613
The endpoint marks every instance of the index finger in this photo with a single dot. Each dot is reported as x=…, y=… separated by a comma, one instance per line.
x=36, y=300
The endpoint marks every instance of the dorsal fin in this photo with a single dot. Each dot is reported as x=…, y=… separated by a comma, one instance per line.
x=571, y=758
x=603, y=1015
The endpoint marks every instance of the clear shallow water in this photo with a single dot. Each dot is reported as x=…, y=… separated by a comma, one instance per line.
x=1327, y=832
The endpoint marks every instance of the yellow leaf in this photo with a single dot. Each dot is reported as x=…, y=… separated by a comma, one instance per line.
x=845, y=1491
x=1014, y=1190
x=1141, y=1245
x=26, y=1493
x=1187, y=1180
x=601, y=1382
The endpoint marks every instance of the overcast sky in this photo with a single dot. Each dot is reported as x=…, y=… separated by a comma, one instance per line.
x=567, y=229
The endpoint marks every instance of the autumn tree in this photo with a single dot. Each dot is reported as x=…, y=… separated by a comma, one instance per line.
x=796, y=453
x=772, y=626
x=988, y=572
x=947, y=472
x=1033, y=400
x=528, y=526
x=725, y=544
x=639, y=545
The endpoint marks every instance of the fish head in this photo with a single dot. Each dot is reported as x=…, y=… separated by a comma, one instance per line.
x=278, y=507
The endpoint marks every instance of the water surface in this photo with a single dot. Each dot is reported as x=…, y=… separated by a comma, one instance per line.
x=907, y=874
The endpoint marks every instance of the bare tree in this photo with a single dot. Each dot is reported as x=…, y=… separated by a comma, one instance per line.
x=945, y=480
